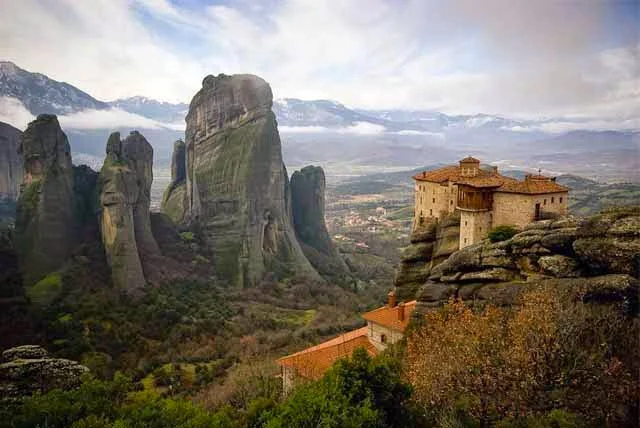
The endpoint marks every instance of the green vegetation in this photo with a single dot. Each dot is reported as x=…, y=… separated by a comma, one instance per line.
x=45, y=291
x=502, y=233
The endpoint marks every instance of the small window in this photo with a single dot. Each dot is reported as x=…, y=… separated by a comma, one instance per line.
x=552, y=199
x=430, y=212
x=465, y=240
x=450, y=202
x=545, y=202
x=383, y=338
x=465, y=223
x=480, y=228
x=560, y=199
x=434, y=200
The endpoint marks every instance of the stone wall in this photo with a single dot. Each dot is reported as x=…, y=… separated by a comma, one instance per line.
x=474, y=226
x=434, y=201
x=519, y=210
x=375, y=335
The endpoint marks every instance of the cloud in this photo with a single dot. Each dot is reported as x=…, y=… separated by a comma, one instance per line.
x=359, y=128
x=516, y=58
x=13, y=112
x=438, y=135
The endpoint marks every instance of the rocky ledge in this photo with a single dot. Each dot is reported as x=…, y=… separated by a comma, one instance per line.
x=28, y=369
x=593, y=258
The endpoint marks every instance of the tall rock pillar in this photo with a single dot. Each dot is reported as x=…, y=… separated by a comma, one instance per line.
x=45, y=219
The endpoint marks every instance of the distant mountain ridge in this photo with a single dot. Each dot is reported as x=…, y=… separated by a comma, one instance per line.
x=40, y=94
x=158, y=110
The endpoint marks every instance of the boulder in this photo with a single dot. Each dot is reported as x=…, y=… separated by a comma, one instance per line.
x=29, y=369
x=125, y=222
x=307, y=206
x=236, y=184
x=45, y=210
x=10, y=162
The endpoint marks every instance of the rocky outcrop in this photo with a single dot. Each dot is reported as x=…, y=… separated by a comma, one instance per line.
x=307, y=202
x=44, y=223
x=237, y=185
x=174, y=201
x=125, y=224
x=10, y=162
x=28, y=369
x=593, y=258
x=430, y=244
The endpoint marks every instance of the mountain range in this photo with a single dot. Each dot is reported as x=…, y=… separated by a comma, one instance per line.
x=344, y=140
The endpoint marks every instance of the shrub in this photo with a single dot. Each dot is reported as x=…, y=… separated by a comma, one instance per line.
x=502, y=233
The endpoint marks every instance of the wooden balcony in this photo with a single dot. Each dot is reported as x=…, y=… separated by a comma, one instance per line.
x=474, y=199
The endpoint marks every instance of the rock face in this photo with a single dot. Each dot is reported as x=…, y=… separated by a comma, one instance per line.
x=125, y=197
x=10, y=162
x=237, y=186
x=593, y=258
x=174, y=201
x=28, y=369
x=430, y=245
x=44, y=223
x=307, y=201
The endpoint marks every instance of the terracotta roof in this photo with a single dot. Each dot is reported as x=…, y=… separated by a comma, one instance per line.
x=469, y=159
x=388, y=317
x=533, y=185
x=312, y=362
x=440, y=175
x=486, y=180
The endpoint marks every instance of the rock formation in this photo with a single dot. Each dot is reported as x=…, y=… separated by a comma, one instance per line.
x=125, y=197
x=174, y=201
x=44, y=223
x=592, y=258
x=237, y=185
x=28, y=369
x=430, y=244
x=307, y=202
x=10, y=162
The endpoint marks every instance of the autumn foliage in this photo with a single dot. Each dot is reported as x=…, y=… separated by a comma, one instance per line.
x=510, y=364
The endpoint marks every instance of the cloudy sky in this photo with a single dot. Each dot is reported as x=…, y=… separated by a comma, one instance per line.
x=518, y=58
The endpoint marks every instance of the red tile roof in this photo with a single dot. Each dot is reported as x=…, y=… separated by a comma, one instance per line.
x=440, y=175
x=312, y=362
x=388, y=316
x=534, y=186
x=485, y=180
x=469, y=159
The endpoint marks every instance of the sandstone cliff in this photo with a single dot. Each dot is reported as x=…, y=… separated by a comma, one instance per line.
x=430, y=244
x=45, y=218
x=125, y=197
x=10, y=162
x=593, y=258
x=237, y=185
x=307, y=206
x=174, y=200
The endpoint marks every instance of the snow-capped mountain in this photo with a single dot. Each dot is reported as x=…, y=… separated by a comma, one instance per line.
x=153, y=109
x=40, y=94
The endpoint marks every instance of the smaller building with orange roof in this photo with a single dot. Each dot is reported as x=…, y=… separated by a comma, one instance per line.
x=385, y=326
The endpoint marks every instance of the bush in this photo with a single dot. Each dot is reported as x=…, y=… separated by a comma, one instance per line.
x=502, y=233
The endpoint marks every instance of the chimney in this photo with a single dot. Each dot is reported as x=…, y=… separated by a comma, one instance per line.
x=391, y=299
x=401, y=311
x=424, y=174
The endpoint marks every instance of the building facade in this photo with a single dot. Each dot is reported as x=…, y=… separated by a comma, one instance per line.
x=385, y=326
x=485, y=198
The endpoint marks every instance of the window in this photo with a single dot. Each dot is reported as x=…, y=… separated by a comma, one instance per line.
x=465, y=223
x=480, y=228
x=383, y=338
x=465, y=240
x=560, y=199
x=431, y=212
x=434, y=200
x=552, y=199
x=450, y=202
x=545, y=202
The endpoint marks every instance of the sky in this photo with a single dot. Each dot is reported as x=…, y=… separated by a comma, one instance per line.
x=516, y=58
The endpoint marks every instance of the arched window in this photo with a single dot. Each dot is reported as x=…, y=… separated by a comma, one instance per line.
x=383, y=338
